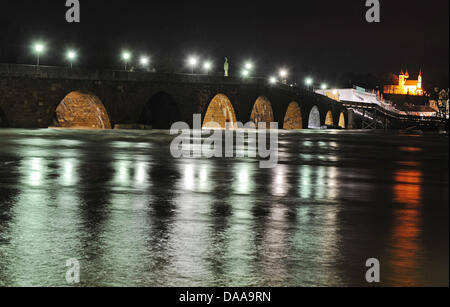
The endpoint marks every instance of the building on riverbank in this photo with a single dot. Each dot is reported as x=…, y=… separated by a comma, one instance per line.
x=405, y=86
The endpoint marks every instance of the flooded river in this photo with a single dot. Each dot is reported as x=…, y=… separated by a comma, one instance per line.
x=134, y=216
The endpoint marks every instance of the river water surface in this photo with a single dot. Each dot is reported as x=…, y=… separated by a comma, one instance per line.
x=134, y=216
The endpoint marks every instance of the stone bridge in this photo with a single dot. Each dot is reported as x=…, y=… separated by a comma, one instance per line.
x=32, y=97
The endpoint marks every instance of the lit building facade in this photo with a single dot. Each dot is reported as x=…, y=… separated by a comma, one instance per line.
x=405, y=86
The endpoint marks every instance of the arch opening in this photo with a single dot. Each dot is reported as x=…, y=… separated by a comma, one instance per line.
x=342, y=121
x=160, y=112
x=293, y=119
x=262, y=112
x=329, y=119
x=314, y=118
x=220, y=111
x=81, y=109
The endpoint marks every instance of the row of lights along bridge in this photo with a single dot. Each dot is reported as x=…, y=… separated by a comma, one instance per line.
x=193, y=62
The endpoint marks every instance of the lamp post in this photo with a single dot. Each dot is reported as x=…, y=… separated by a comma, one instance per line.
x=193, y=62
x=144, y=61
x=248, y=68
x=207, y=67
x=308, y=82
x=39, y=48
x=71, y=56
x=126, y=56
x=283, y=74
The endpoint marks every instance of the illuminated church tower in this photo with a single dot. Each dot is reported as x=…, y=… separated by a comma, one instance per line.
x=401, y=79
x=419, y=81
x=405, y=86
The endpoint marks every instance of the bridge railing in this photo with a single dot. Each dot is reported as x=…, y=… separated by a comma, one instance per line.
x=58, y=72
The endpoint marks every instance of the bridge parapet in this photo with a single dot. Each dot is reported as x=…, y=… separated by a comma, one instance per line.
x=66, y=73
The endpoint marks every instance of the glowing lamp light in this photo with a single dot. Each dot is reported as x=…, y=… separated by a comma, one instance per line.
x=248, y=66
x=207, y=66
x=193, y=61
x=71, y=55
x=144, y=61
x=308, y=81
x=272, y=80
x=39, y=48
x=245, y=73
x=283, y=73
x=324, y=86
x=126, y=56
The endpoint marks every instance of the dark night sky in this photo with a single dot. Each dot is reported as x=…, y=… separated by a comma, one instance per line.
x=323, y=38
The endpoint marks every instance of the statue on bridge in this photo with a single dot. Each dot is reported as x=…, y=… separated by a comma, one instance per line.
x=226, y=66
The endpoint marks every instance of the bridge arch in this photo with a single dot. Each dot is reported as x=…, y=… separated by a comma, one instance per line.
x=81, y=109
x=293, y=118
x=329, y=119
x=220, y=111
x=314, y=118
x=262, y=112
x=342, y=123
x=160, y=111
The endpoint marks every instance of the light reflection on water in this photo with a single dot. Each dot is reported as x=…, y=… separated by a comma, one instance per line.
x=133, y=215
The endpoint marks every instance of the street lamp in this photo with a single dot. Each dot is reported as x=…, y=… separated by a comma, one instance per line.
x=207, y=66
x=324, y=86
x=248, y=67
x=144, y=61
x=126, y=57
x=38, y=48
x=193, y=61
x=308, y=82
x=272, y=80
x=71, y=56
x=283, y=74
